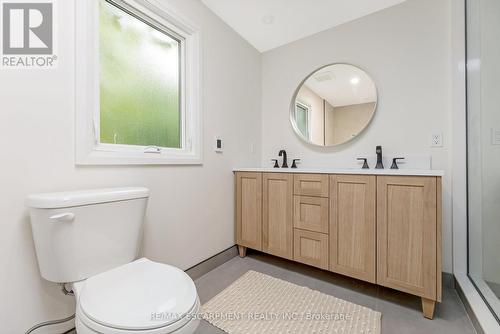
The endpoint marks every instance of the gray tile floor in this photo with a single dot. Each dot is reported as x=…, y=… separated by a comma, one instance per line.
x=401, y=313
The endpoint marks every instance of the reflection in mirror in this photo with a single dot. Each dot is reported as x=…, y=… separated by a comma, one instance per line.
x=333, y=105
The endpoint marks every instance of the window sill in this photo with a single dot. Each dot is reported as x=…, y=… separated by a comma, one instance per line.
x=100, y=158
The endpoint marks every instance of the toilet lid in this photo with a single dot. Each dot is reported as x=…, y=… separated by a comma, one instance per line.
x=139, y=295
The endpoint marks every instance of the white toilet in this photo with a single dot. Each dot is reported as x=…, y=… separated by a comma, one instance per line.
x=90, y=240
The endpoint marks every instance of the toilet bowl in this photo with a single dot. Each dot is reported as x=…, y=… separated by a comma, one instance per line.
x=90, y=240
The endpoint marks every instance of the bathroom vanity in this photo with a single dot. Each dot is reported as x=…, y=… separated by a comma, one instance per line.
x=380, y=226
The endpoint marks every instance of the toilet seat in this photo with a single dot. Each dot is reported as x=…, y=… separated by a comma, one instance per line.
x=140, y=297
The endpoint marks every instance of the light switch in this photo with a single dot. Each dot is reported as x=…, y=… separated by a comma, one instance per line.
x=495, y=136
x=252, y=148
x=437, y=140
x=218, y=147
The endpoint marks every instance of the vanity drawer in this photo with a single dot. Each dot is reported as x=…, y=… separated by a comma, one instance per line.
x=310, y=248
x=311, y=213
x=311, y=184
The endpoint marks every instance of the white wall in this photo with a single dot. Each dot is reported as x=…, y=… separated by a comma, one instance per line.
x=190, y=215
x=348, y=121
x=407, y=51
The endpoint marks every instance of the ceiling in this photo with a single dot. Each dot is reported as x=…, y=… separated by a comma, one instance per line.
x=267, y=24
x=335, y=85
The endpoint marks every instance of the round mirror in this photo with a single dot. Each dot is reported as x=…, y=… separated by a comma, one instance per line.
x=333, y=105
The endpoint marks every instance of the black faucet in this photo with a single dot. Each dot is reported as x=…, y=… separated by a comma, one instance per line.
x=395, y=163
x=285, y=163
x=294, y=163
x=365, y=163
x=380, y=164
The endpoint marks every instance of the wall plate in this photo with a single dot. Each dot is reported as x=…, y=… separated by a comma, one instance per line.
x=437, y=139
x=495, y=136
x=218, y=144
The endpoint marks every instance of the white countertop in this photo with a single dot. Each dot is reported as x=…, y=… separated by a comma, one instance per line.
x=402, y=172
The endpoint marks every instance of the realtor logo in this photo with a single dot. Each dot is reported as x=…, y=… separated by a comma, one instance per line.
x=28, y=34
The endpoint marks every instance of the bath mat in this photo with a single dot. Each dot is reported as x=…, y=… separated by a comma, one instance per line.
x=258, y=303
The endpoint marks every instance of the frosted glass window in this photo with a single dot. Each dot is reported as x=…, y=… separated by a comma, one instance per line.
x=139, y=81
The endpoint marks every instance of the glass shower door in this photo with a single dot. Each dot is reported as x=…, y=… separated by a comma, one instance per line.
x=483, y=151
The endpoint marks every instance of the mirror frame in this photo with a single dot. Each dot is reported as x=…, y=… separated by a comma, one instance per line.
x=294, y=99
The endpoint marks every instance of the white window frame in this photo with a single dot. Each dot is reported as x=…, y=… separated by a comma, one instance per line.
x=309, y=117
x=89, y=150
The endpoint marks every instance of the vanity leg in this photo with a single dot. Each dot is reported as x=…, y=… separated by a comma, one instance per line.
x=428, y=308
x=242, y=250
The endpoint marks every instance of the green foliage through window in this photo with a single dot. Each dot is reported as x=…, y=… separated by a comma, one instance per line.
x=139, y=82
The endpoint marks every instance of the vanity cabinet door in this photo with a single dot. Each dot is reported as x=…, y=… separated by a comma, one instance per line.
x=407, y=224
x=249, y=210
x=277, y=214
x=353, y=226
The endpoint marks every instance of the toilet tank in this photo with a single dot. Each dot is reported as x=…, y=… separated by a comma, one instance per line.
x=79, y=234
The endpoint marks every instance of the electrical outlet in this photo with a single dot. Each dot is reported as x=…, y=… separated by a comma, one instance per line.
x=495, y=136
x=437, y=140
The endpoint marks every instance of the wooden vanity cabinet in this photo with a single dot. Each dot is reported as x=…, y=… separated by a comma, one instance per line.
x=409, y=236
x=248, y=211
x=277, y=223
x=353, y=226
x=384, y=229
